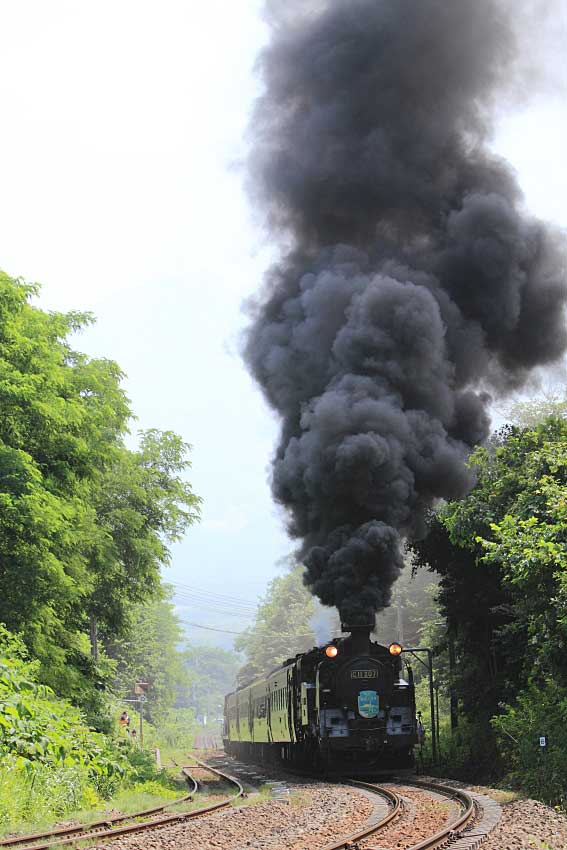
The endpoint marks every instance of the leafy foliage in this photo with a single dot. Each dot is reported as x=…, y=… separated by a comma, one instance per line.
x=176, y=730
x=502, y=557
x=530, y=414
x=51, y=762
x=540, y=710
x=85, y=523
x=148, y=652
x=60, y=414
x=211, y=673
x=412, y=610
x=36, y=727
x=85, y=527
x=41, y=792
x=142, y=504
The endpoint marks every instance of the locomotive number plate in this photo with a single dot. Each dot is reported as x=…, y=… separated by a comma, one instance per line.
x=364, y=674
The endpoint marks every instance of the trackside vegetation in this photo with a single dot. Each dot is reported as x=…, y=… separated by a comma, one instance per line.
x=501, y=554
x=86, y=521
x=51, y=762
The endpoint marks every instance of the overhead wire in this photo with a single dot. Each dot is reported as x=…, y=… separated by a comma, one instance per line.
x=217, y=609
x=229, y=632
x=213, y=595
x=225, y=605
x=211, y=603
x=212, y=599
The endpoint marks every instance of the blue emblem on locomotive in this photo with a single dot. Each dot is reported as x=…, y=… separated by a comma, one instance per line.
x=368, y=704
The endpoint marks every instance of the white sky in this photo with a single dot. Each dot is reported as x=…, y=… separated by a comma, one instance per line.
x=122, y=128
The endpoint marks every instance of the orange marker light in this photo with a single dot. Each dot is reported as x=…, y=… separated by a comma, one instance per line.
x=331, y=651
x=395, y=649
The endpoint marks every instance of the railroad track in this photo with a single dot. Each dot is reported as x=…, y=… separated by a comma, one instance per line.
x=455, y=835
x=451, y=836
x=395, y=804
x=104, y=830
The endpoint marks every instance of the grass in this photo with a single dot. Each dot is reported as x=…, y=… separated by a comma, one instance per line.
x=501, y=795
x=146, y=795
x=254, y=796
x=301, y=799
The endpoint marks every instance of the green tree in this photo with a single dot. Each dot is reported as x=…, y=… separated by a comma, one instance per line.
x=501, y=555
x=148, y=652
x=211, y=674
x=412, y=610
x=60, y=416
x=533, y=412
x=51, y=761
x=527, y=541
x=283, y=626
x=85, y=523
x=142, y=504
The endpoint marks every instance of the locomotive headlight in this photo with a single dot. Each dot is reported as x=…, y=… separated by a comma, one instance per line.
x=395, y=649
x=331, y=651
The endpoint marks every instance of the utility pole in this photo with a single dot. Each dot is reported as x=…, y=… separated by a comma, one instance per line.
x=433, y=714
x=452, y=665
x=400, y=621
x=93, y=629
x=140, y=689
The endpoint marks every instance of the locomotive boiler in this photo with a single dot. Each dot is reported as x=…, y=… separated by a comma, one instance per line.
x=342, y=705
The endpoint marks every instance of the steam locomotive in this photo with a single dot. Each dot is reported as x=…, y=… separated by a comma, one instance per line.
x=343, y=705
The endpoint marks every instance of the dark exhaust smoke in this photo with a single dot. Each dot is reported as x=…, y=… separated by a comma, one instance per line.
x=411, y=282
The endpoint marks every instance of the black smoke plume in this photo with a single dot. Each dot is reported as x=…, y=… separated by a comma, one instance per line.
x=411, y=282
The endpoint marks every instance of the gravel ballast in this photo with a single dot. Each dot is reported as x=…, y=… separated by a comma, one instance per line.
x=424, y=815
x=528, y=825
x=311, y=814
x=315, y=815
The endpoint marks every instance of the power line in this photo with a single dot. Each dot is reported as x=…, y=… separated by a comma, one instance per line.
x=210, y=628
x=201, y=597
x=228, y=632
x=213, y=598
x=220, y=597
x=203, y=601
x=197, y=604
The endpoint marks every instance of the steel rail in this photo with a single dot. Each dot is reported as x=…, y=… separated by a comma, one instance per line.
x=453, y=830
x=81, y=831
x=395, y=802
x=87, y=832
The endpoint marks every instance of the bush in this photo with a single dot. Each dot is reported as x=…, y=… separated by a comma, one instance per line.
x=176, y=729
x=38, y=791
x=159, y=788
x=542, y=773
x=51, y=762
x=36, y=727
x=141, y=765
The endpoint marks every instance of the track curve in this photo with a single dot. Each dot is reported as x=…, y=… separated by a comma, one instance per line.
x=396, y=808
x=453, y=831
x=104, y=830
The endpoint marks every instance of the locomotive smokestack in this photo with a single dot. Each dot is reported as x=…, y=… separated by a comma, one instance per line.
x=359, y=638
x=410, y=283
